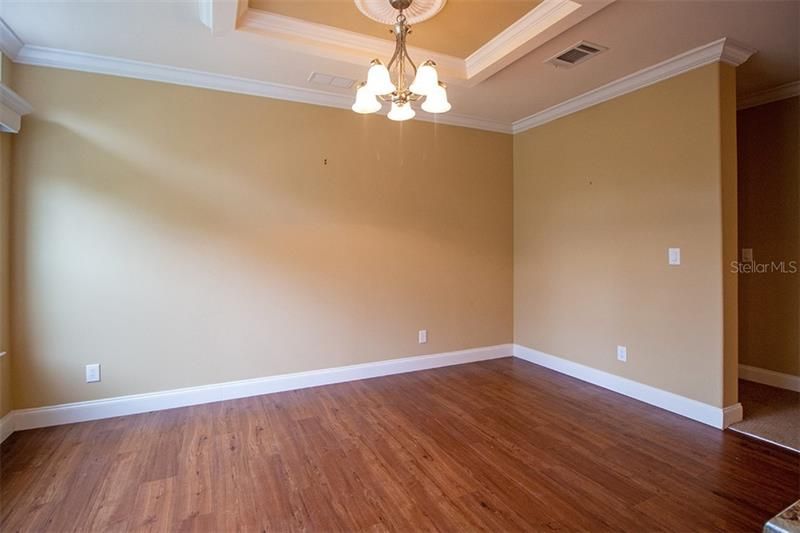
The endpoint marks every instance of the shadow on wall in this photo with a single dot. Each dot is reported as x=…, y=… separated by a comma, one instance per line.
x=179, y=256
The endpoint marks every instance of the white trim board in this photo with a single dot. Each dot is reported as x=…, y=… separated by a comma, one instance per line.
x=769, y=377
x=22, y=419
x=722, y=50
x=127, y=68
x=717, y=417
x=781, y=92
x=10, y=44
x=6, y=426
x=12, y=108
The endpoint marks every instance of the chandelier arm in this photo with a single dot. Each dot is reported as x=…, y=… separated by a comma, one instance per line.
x=405, y=52
x=394, y=56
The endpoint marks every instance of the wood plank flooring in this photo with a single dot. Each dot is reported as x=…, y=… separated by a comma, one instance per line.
x=501, y=445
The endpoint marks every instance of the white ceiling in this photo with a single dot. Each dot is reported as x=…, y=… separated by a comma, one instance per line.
x=638, y=34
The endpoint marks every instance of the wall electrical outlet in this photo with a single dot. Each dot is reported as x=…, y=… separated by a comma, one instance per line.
x=674, y=255
x=92, y=373
x=622, y=353
x=422, y=336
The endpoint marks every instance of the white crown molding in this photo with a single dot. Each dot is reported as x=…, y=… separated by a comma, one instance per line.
x=769, y=377
x=10, y=44
x=781, y=92
x=22, y=419
x=12, y=108
x=711, y=415
x=221, y=15
x=336, y=43
x=720, y=50
x=735, y=53
x=65, y=59
x=512, y=43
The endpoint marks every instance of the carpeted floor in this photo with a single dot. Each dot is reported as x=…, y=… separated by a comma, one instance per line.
x=770, y=413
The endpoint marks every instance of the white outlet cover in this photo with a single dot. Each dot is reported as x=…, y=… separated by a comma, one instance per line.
x=622, y=353
x=674, y=256
x=93, y=373
x=422, y=337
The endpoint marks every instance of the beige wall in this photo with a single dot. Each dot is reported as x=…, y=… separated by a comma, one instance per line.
x=769, y=223
x=599, y=196
x=5, y=360
x=5, y=309
x=181, y=236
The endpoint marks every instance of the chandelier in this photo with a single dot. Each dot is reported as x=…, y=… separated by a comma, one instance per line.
x=379, y=84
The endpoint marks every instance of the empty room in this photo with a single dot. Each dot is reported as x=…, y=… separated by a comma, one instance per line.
x=399, y=265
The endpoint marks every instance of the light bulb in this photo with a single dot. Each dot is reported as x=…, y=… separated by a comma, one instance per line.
x=378, y=79
x=426, y=80
x=401, y=112
x=436, y=101
x=366, y=102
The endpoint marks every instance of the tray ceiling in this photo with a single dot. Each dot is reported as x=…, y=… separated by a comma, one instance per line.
x=458, y=30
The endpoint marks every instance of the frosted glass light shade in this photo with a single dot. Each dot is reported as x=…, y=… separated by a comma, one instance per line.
x=366, y=102
x=426, y=80
x=401, y=112
x=378, y=79
x=436, y=101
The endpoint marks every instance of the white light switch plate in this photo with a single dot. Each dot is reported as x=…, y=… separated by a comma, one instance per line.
x=423, y=336
x=674, y=255
x=92, y=373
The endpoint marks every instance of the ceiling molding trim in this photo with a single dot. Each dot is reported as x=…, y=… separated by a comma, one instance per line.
x=735, y=53
x=533, y=23
x=335, y=43
x=543, y=22
x=65, y=59
x=12, y=108
x=712, y=52
x=10, y=44
x=781, y=92
x=221, y=15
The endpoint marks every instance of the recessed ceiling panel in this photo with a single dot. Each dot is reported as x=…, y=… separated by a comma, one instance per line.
x=459, y=29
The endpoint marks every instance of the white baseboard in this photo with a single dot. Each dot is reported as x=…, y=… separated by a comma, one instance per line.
x=769, y=377
x=22, y=419
x=155, y=401
x=708, y=414
x=6, y=426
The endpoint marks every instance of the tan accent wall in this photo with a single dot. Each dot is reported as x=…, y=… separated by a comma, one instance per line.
x=729, y=192
x=769, y=223
x=5, y=309
x=599, y=197
x=181, y=236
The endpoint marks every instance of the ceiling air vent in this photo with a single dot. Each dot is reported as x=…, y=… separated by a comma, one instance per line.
x=575, y=54
x=327, y=79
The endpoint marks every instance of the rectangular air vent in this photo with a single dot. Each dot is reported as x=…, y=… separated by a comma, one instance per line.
x=334, y=81
x=575, y=54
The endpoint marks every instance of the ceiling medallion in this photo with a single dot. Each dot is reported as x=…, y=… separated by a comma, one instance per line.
x=383, y=12
x=379, y=82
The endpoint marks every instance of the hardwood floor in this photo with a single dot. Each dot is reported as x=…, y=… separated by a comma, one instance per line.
x=501, y=445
